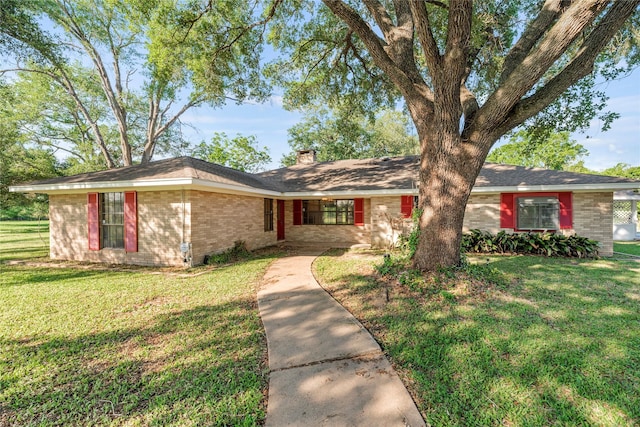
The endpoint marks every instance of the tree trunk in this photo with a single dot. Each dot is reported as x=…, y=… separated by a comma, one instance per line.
x=449, y=166
x=444, y=190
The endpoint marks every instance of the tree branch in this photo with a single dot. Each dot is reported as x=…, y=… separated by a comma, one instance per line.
x=380, y=15
x=425, y=35
x=579, y=67
x=402, y=36
x=65, y=82
x=373, y=43
x=118, y=111
x=456, y=55
x=541, y=57
x=549, y=13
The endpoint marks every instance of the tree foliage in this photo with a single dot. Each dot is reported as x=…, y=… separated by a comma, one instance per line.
x=240, y=153
x=468, y=73
x=556, y=152
x=623, y=170
x=19, y=164
x=151, y=59
x=336, y=135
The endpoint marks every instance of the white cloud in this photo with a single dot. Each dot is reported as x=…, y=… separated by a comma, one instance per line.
x=276, y=100
x=614, y=149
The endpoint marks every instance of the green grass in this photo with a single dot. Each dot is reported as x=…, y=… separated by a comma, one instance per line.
x=23, y=239
x=631, y=248
x=136, y=347
x=550, y=342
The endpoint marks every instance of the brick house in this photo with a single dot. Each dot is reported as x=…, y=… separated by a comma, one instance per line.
x=176, y=211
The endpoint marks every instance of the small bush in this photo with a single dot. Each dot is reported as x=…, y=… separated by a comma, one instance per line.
x=238, y=252
x=409, y=242
x=547, y=244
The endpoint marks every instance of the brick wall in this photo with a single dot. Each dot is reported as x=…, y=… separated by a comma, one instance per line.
x=387, y=222
x=160, y=227
x=68, y=226
x=483, y=213
x=218, y=220
x=593, y=218
x=342, y=235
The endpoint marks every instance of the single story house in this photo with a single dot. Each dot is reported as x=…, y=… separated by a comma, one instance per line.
x=176, y=211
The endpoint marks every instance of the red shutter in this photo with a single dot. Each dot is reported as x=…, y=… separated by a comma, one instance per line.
x=130, y=221
x=358, y=211
x=297, y=212
x=566, y=210
x=93, y=221
x=406, y=206
x=507, y=219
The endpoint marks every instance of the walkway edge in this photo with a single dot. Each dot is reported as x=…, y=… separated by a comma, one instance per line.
x=325, y=367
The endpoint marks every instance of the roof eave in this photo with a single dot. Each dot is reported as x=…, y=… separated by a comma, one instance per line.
x=611, y=186
x=347, y=193
x=212, y=186
x=143, y=185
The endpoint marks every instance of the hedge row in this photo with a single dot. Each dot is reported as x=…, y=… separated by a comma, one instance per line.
x=548, y=244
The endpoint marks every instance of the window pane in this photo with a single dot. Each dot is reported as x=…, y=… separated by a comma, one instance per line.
x=112, y=216
x=327, y=212
x=268, y=214
x=538, y=213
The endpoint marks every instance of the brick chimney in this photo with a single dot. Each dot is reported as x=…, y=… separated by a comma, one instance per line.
x=306, y=157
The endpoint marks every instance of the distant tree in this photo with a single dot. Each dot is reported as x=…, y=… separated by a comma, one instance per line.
x=339, y=134
x=556, y=151
x=19, y=165
x=46, y=118
x=241, y=152
x=623, y=170
x=184, y=54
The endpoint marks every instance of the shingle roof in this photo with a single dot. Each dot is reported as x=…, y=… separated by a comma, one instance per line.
x=402, y=173
x=497, y=175
x=349, y=175
x=179, y=167
x=397, y=173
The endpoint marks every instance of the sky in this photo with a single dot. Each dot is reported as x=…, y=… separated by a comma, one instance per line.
x=269, y=122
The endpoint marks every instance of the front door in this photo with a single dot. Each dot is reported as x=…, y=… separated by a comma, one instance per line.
x=280, y=222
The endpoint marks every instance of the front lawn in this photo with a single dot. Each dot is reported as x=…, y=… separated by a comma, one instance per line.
x=630, y=248
x=549, y=342
x=98, y=347
x=24, y=239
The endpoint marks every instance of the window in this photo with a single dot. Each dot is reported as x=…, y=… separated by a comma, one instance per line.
x=328, y=212
x=268, y=214
x=538, y=213
x=112, y=220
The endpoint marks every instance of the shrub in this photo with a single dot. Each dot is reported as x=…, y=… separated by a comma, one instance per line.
x=548, y=244
x=409, y=242
x=238, y=252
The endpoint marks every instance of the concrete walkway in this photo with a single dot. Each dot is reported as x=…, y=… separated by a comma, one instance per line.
x=326, y=369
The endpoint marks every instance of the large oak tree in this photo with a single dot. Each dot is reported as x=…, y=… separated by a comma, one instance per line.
x=468, y=72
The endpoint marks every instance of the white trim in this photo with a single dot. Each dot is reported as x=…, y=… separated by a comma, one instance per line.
x=212, y=186
x=576, y=188
x=347, y=193
x=143, y=185
x=626, y=195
